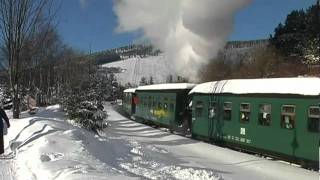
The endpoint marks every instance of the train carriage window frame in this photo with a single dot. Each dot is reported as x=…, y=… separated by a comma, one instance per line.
x=198, y=109
x=288, y=118
x=245, y=111
x=264, y=116
x=227, y=111
x=212, y=109
x=314, y=119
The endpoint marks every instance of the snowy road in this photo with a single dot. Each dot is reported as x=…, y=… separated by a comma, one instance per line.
x=45, y=146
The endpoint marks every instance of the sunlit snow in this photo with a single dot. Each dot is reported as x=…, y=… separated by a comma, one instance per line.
x=46, y=146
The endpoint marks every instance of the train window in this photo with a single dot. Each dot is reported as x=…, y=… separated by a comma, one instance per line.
x=159, y=105
x=199, y=108
x=264, y=117
x=244, y=112
x=227, y=109
x=314, y=119
x=171, y=107
x=288, y=115
x=212, y=109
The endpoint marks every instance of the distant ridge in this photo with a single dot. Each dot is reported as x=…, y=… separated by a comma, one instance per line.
x=247, y=44
x=140, y=50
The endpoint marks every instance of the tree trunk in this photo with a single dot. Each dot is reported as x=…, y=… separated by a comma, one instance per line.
x=16, y=106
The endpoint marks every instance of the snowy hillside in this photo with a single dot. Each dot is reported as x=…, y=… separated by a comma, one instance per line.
x=133, y=69
x=46, y=146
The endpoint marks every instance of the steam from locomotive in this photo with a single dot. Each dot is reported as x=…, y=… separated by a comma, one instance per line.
x=190, y=32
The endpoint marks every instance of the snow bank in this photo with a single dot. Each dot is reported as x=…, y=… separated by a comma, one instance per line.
x=153, y=170
x=298, y=86
x=45, y=146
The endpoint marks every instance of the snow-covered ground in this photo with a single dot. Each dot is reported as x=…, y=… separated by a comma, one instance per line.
x=46, y=146
x=133, y=69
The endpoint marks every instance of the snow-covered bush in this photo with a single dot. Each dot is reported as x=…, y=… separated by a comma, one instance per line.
x=89, y=114
x=91, y=117
x=83, y=101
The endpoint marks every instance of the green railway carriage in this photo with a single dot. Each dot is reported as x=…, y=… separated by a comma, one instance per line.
x=162, y=104
x=128, y=102
x=279, y=117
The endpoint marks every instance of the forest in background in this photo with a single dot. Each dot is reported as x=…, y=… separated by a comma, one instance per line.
x=293, y=50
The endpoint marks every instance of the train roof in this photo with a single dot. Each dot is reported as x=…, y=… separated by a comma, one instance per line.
x=132, y=90
x=309, y=86
x=169, y=86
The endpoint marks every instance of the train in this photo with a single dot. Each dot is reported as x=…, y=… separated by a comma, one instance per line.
x=276, y=117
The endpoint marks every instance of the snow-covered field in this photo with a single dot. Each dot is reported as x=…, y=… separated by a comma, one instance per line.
x=133, y=69
x=46, y=146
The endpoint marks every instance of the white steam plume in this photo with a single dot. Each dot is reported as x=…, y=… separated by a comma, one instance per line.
x=83, y=3
x=190, y=32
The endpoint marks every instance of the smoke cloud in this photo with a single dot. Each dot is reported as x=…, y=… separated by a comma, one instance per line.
x=190, y=32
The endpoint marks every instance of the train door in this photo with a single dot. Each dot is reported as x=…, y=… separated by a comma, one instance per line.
x=215, y=121
x=212, y=112
x=200, y=121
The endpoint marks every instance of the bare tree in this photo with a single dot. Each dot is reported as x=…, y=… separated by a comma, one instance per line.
x=19, y=21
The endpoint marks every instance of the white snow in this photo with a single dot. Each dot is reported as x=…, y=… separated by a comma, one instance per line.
x=168, y=86
x=132, y=90
x=299, y=86
x=46, y=146
x=133, y=69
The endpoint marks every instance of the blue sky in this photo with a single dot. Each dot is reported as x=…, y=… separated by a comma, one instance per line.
x=90, y=24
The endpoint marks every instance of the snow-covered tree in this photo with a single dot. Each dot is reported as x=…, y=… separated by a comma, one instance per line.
x=312, y=52
x=143, y=81
x=151, y=80
x=83, y=102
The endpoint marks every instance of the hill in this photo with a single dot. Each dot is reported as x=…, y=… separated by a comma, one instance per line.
x=140, y=61
x=133, y=69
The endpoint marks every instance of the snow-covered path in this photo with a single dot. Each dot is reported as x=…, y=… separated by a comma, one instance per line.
x=45, y=146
